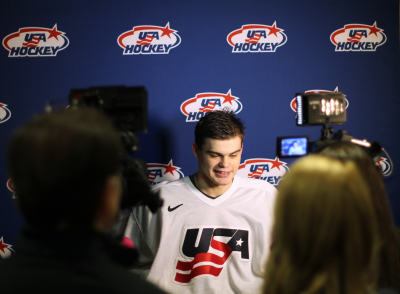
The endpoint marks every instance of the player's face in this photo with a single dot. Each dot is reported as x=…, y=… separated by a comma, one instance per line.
x=219, y=161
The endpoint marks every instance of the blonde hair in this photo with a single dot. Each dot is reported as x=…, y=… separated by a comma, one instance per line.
x=325, y=237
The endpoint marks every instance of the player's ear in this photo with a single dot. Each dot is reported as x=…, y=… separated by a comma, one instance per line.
x=196, y=150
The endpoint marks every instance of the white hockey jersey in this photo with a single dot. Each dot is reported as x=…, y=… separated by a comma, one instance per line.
x=195, y=244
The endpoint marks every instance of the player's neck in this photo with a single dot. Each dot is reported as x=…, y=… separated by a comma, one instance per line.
x=208, y=187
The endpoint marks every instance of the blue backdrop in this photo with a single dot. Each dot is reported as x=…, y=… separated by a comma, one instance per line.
x=198, y=56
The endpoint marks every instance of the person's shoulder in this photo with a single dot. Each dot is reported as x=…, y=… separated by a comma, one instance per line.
x=115, y=276
x=127, y=282
x=386, y=291
x=169, y=184
x=256, y=184
x=122, y=281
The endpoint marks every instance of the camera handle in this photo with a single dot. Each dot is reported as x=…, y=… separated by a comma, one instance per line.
x=326, y=132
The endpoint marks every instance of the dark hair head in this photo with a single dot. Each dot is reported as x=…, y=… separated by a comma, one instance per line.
x=219, y=124
x=389, y=254
x=59, y=163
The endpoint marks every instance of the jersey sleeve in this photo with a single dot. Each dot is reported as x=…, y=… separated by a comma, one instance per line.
x=143, y=227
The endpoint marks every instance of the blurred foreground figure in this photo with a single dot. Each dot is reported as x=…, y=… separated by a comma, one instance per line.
x=65, y=171
x=389, y=256
x=325, y=235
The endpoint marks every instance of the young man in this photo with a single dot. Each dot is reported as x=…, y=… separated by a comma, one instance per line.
x=65, y=170
x=213, y=233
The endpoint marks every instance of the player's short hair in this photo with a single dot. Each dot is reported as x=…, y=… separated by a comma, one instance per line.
x=219, y=124
x=59, y=163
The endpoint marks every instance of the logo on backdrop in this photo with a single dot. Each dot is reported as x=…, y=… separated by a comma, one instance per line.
x=5, y=249
x=293, y=103
x=256, y=38
x=264, y=169
x=33, y=42
x=149, y=40
x=358, y=37
x=195, y=108
x=5, y=113
x=214, y=246
x=10, y=187
x=158, y=172
x=385, y=166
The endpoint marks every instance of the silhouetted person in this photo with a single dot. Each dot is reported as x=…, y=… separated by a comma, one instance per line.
x=65, y=171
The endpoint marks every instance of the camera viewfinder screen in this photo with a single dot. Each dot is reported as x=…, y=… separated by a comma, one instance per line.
x=294, y=146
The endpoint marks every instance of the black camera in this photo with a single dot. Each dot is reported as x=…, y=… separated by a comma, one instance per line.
x=321, y=109
x=127, y=109
x=314, y=109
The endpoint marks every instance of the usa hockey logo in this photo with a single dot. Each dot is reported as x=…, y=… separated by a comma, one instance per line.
x=35, y=41
x=5, y=113
x=158, y=172
x=358, y=37
x=10, y=187
x=5, y=249
x=385, y=166
x=207, y=254
x=255, y=38
x=195, y=108
x=293, y=103
x=149, y=40
x=264, y=169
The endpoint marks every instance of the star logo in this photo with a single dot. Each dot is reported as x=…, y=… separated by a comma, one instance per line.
x=5, y=249
x=54, y=33
x=228, y=97
x=195, y=108
x=167, y=31
x=274, y=30
x=239, y=242
x=276, y=163
x=374, y=30
x=170, y=168
x=161, y=39
x=270, y=170
x=159, y=172
x=256, y=38
x=355, y=37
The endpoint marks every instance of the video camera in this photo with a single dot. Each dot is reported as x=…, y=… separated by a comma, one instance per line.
x=127, y=109
x=321, y=109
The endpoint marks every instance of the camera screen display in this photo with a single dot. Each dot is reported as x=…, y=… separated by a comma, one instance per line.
x=292, y=146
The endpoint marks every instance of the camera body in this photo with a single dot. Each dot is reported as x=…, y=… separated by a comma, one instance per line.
x=321, y=109
x=125, y=106
x=127, y=109
x=314, y=109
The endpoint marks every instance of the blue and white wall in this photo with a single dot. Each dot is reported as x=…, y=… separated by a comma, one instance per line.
x=197, y=56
